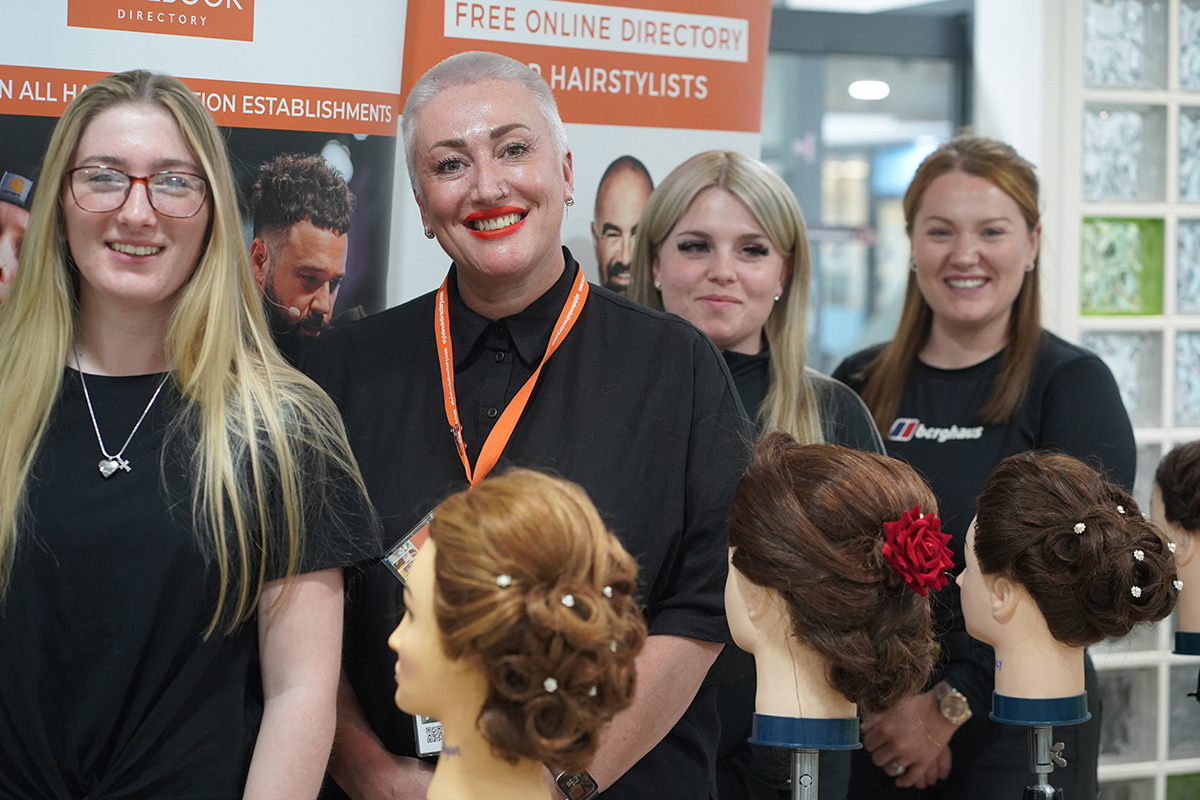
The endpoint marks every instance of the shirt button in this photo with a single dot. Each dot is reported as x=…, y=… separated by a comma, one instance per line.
x=499, y=357
x=492, y=413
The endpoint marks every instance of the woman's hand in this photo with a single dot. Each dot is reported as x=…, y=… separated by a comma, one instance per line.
x=913, y=736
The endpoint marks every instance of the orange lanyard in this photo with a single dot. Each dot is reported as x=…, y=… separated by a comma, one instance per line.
x=503, y=429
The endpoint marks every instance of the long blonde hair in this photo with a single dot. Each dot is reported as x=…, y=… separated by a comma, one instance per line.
x=790, y=404
x=262, y=435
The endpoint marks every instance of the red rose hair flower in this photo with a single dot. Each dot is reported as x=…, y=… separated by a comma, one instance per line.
x=915, y=547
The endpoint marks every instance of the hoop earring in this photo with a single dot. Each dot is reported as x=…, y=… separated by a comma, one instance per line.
x=570, y=201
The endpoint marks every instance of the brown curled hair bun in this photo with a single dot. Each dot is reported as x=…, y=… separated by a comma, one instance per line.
x=807, y=522
x=1083, y=583
x=547, y=537
x=1178, y=478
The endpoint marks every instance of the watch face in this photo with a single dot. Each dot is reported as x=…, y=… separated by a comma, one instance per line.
x=954, y=707
x=580, y=786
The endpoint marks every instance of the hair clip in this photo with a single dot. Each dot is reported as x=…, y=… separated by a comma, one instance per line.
x=504, y=580
x=592, y=692
x=1120, y=509
x=1136, y=591
x=1171, y=547
x=568, y=600
x=608, y=591
x=1080, y=527
x=1138, y=555
x=1178, y=584
x=550, y=685
x=613, y=645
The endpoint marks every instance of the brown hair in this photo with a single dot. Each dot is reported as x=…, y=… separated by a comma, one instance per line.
x=545, y=534
x=1178, y=478
x=887, y=374
x=807, y=522
x=1025, y=530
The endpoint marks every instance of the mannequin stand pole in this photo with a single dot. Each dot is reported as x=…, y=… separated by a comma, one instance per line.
x=1042, y=758
x=804, y=774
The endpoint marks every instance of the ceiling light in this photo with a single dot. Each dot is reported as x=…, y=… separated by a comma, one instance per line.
x=869, y=90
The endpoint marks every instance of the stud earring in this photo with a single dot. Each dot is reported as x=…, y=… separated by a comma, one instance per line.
x=428, y=233
x=912, y=264
x=658, y=284
x=1030, y=267
x=570, y=201
x=777, y=298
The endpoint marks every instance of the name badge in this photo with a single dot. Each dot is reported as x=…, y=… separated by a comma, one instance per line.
x=429, y=735
x=400, y=558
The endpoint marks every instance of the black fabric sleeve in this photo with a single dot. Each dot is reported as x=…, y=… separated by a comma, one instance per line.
x=845, y=420
x=718, y=452
x=1083, y=416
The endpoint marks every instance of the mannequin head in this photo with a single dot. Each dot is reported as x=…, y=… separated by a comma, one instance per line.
x=806, y=534
x=1175, y=508
x=489, y=637
x=1050, y=529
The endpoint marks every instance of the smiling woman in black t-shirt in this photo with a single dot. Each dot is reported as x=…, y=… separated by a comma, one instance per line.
x=175, y=501
x=969, y=379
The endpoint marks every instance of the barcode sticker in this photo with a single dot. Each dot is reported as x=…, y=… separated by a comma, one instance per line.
x=429, y=735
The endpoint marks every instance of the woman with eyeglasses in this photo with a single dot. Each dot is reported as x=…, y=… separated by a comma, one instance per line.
x=176, y=503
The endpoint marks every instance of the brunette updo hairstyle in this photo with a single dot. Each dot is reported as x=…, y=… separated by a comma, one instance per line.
x=547, y=537
x=1178, y=478
x=1083, y=583
x=807, y=522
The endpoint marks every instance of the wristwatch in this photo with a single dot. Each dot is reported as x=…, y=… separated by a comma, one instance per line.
x=952, y=703
x=578, y=786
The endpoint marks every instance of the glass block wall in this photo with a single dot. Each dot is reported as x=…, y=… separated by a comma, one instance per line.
x=1126, y=199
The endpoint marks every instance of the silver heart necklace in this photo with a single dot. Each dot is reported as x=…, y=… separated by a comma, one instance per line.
x=111, y=463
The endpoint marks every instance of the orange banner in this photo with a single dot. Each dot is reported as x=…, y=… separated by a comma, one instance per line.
x=683, y=64
x=45, y=92
x=210, y=19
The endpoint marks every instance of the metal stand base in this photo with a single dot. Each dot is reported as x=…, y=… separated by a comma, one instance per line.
x=804, y=774
x=1042, y=759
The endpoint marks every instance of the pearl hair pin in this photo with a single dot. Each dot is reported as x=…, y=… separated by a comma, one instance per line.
x=1138, y=555
x=608, y=591
x=504, y=581
x=1178, y=584
x=1136, y=591
x=1080, y=527
x=568, y=600
x=550, y=685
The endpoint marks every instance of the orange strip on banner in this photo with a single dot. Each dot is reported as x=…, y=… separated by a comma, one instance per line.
x=595, y=85
x=212, y=19
x=44, y=92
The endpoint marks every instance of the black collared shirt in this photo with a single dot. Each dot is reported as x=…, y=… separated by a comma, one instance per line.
x=635, y=406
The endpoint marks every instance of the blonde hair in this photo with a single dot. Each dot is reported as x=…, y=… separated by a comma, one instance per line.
x=547, y=538
x=791, y=403
x=262, y=435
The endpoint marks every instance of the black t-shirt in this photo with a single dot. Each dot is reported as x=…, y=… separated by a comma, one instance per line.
x=1072, y=405
x=636, y=407
x=108, y=687
x=844, y=419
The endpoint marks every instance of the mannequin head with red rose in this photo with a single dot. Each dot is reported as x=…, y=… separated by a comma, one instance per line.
x=832, y=554
x=1057, y=559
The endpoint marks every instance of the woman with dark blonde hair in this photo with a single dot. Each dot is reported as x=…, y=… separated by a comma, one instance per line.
x=520, y=635
x=175, y=501
x=970, y=378
x=722, y=243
